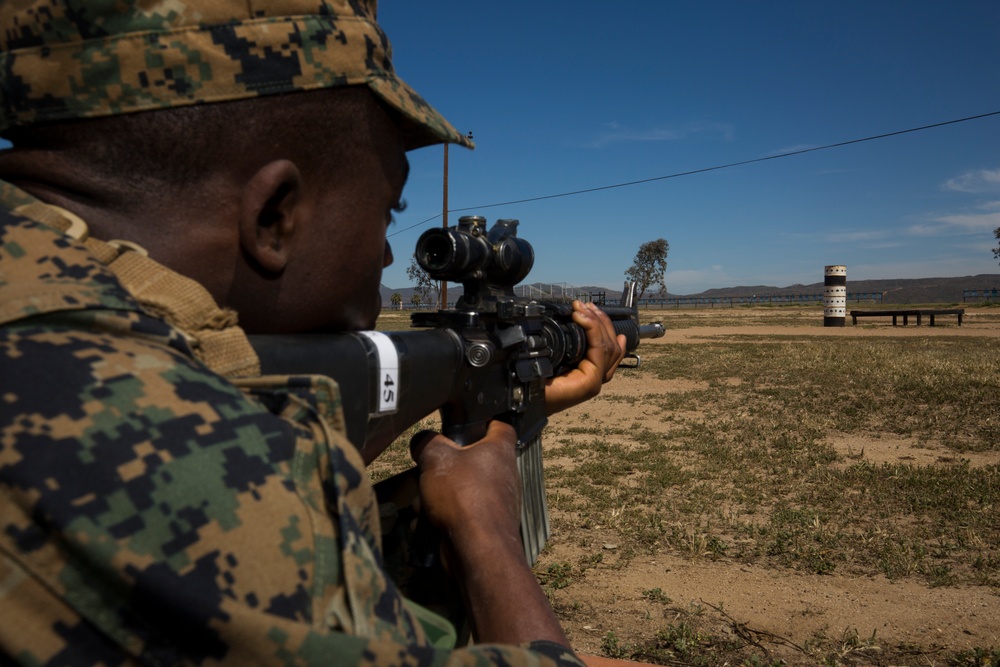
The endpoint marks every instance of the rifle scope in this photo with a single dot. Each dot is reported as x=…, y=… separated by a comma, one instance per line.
x=468, y=252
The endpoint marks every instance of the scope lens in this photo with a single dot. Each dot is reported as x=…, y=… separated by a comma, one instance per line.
x=437, y=252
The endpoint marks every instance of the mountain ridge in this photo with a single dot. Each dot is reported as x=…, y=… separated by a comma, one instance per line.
x=893, y=290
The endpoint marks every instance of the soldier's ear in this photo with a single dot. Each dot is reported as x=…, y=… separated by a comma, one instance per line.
x=268, y=212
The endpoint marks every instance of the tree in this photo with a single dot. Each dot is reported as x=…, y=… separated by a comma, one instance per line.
x=427, y=289
x=415, y=298
x=996, y=251
x=397, y=300
x=649, y=266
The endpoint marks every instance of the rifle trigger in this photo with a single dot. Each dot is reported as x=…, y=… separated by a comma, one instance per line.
x=634, y=357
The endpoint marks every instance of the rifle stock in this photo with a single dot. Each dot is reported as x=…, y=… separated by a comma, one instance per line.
x=425, y=366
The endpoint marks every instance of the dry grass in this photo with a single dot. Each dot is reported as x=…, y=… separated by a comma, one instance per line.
x=738, y=464
x=747, y=472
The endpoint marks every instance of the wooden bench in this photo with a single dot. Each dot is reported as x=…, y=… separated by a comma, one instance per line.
x=907, y=313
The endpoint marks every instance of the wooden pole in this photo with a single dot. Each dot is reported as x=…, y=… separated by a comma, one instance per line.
x=444, y=223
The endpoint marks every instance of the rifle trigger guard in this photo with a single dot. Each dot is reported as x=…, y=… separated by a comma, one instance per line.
x=634, y=357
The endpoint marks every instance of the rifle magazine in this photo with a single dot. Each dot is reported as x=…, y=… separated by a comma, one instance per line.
x=535, y=527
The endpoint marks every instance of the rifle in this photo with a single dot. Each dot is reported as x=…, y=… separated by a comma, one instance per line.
x=487, y=358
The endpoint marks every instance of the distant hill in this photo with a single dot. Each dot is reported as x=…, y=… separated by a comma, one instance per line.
x=896, y=290
x=893, y=290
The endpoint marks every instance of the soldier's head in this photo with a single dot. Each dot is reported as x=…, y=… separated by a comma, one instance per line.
x=258, y=147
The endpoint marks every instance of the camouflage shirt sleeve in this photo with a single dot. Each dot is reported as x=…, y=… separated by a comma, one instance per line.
x=151, y=513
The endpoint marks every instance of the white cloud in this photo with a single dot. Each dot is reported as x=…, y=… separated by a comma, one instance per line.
x=859, y=236
x=976, y=181
x=973, y=221
x=620, y=134
x=794, y=149
x=925, y=229
x=835, y=236
x=984, y=217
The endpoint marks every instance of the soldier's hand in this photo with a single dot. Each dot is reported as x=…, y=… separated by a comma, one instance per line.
x=462, y=488
x=472, y=494
x=605, y=351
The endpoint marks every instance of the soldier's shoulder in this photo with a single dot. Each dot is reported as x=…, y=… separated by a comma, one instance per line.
x=43, y=271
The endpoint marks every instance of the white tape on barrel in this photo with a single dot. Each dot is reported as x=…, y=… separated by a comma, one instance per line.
x=387, y=371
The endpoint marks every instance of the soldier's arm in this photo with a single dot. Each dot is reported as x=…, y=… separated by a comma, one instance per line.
x=149, y=509
x=471, y=494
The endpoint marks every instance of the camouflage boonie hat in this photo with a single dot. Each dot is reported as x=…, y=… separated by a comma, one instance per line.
x=69, y=59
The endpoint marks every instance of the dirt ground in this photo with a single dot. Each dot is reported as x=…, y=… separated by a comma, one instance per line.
x=782, y=611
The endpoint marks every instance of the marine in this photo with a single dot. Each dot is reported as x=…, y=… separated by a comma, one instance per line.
x=183, y=172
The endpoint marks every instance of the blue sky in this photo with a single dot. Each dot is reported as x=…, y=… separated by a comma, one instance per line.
x=564, y=96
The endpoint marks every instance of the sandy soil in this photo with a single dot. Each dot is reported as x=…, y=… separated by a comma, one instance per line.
x=872, y=620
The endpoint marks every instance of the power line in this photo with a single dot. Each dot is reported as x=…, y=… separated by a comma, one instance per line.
x=705, y=169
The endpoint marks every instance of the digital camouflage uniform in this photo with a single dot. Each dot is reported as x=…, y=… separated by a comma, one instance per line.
x=159, y=502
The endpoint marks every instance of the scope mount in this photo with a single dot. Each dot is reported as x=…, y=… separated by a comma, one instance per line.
x=487, y=263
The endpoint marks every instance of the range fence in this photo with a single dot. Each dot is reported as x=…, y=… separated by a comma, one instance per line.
x=652, y=303
x=750, y=300
x=992, y=294
x=563, y=291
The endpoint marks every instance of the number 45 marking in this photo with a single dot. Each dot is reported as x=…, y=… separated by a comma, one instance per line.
x=388, y=367
x=388, y=389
